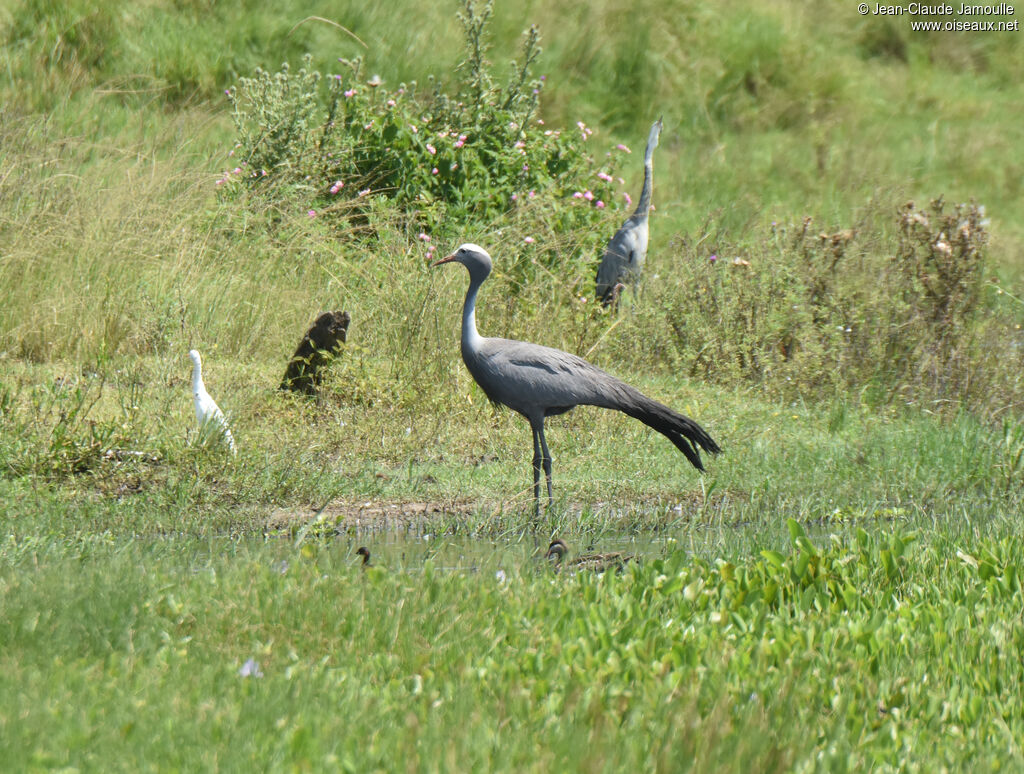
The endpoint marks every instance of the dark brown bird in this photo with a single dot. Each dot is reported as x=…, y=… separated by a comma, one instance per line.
x=364, y=552
x=315, y=352
x=614, y=560
x=540, y=382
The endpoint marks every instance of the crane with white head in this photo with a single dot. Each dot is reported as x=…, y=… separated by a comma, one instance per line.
x=539, y=382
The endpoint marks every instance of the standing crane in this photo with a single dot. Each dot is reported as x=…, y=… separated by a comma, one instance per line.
x=624, y=257
x=540, y=382
x=208, y=414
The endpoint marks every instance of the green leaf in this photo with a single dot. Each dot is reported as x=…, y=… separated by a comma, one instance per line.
x=796, y=530
x=776, y=559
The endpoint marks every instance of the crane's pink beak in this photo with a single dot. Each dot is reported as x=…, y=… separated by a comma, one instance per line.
x=448, y=259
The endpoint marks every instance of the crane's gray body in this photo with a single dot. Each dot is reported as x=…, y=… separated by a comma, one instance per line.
x=539, y=382
x=624, y=257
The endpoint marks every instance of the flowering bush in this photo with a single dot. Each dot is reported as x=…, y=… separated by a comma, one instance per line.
x=444, y=158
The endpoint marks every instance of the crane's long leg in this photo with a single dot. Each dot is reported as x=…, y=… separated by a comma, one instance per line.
x=537, y=435
x=545, y=461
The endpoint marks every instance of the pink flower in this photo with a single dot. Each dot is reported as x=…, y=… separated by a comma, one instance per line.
x=424, y=237
x=588, y=196
x=713, y=258
x=599, y=204
x=350, y=93
x=391, y=103
x=622, y=147
x=414, y=129
x=431, y=149
x=629, y=201
x=540, y=121
x=312, y=213
x=515, y=196
x=528, y=240
x=338, y=185
x=605, y=176
x=532, y=194
x=461, y=141
x=368, y=126
x=364, y=192
x=577, y=195
x=433, y=171
x=519, y=144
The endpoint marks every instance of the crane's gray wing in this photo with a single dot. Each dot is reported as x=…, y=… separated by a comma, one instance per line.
x=533, y=379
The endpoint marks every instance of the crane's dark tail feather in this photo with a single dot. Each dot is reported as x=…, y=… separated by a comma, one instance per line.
x=687, y=435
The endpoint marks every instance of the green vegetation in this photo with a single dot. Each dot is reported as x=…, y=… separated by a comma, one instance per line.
x=840, y=591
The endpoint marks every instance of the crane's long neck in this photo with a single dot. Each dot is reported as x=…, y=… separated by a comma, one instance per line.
x=644, y=205
x=197, y=379
x=471, y=339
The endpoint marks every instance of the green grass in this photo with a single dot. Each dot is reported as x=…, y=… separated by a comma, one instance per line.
x=887, y=651
x=840, y=591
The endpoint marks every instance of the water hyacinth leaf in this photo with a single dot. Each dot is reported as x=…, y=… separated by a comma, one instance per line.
x=887, y=562
x=851, y=597
x=673, y=585
x=804, y=544
x=776, y=559
x=1009, y=579
x=896, y=546
x=863, y=539
x=796, y=529
x=799, y=569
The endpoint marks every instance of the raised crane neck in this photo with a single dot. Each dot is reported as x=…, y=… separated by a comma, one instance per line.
x=643, y=207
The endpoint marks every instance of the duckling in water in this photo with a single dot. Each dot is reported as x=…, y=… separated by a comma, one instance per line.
x=614, y=560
